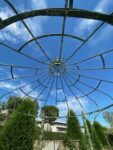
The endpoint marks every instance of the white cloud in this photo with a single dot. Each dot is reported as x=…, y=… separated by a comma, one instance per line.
x=86, y=25
x=13, y=32
x=5, y=13
x=9, y=86
x=60, y=94
x=73, y=104
x=103, y=6
x=39, y=4
x=17, y=32
x=106, y=33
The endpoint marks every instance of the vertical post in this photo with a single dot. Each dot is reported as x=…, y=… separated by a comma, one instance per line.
x=71, y=4
x=108, y=143
x=54, y=144
x=66, y=3
x=0, y=20
x=42, y=131
x=87, y=132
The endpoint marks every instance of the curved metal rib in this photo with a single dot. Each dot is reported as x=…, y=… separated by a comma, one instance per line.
x=50, y=35
x=49, y=91
x=97, y=55
x=98, y=27
x=42, y=62
x=64, y=94
x=17, y=89
x=28, y=29
x=27, y=94
x=95, y=78
x=58, y=12
x=20, y=77
x=97, y=90
x=85, y=95
x=73, y=93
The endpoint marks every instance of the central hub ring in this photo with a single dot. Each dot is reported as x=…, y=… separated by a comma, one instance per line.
x=57, y=67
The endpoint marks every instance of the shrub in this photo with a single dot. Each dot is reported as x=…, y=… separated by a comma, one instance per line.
x=54, y=136
x=19, y=132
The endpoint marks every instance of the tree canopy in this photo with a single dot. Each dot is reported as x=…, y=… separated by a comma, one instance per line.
x=13, y=103
x=51, y=112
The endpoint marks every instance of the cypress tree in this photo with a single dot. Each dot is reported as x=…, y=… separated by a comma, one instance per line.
x=74, y=131
x=100, y=132
x=19, y=132
x=95, y=140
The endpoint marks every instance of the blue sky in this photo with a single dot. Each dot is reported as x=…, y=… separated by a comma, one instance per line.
x=16, y=35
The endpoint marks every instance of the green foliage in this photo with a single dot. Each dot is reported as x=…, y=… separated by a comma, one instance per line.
x=1, y=128
x=95, y=140
x=73, y=126
x=19, y=132
x=74, y=130
x=69, y=143
x=108, y=116
x=110, y=139
x=100, y=132
x=13, y=102
x=51, y=112
x=49, y=135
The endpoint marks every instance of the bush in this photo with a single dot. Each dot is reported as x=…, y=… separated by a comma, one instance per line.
x=19, y=132
x=50, y=135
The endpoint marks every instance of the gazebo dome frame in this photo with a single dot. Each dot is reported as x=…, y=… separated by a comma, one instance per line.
x=68, y=11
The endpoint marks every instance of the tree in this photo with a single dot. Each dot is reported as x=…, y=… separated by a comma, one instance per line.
x=73, y=126
x=13, y=103
x=51, y=112
x=100, y=132
x=19, y=132
x=108, y=116
x=95, y=140
x=74, y=130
